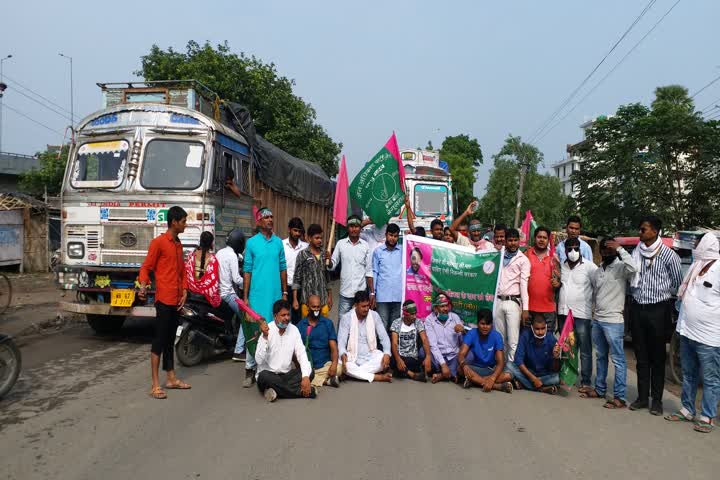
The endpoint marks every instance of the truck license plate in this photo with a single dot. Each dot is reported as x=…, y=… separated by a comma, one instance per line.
x=122, y=297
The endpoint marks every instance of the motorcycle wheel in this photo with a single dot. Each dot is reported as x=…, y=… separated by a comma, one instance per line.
x=674, y=359
x=188, y=353
x=10, y=364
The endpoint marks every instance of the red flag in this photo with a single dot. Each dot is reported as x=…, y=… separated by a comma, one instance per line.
x=526, y=229
x=340, y=206
x=568, y=328
x=392, y=147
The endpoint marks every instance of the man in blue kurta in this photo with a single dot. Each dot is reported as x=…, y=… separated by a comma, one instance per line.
x=265, y=282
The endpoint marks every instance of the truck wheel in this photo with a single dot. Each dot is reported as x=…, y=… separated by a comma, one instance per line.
x=105, y=324
x=674, y=359
x=188, y=353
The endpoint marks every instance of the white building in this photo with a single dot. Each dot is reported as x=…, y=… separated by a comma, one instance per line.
x=565, y=167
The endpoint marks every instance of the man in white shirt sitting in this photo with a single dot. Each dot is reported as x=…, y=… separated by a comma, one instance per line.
x=277, y=376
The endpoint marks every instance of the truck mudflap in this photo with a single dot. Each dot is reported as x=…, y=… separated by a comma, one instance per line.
x=106, y=309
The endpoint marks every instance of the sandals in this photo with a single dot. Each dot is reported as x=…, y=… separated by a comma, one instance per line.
x=158, y=393
x=590, y=393
x=551, y=390
x=703, y=427
x=615, y=404
x=677, y=417
x=178, y=385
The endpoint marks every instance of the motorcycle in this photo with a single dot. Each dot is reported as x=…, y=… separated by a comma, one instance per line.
x=204, y=331
x=10, y=363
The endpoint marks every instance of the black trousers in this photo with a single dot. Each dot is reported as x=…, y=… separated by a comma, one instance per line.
x=413, y=364
x=650, y=327
x=286, y=385
x=166, y=323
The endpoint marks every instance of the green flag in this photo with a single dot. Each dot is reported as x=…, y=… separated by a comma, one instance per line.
x=379, y=187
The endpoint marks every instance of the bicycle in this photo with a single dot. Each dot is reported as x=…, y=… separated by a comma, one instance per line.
x=5, y=293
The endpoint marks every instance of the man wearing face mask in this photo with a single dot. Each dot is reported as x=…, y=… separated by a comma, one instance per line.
x=320, y=340
x=537, y=361
x=475, y=230
x=445, y=331
x=277, y=377
x=608, y=330
x=576, y=294
x=512, y=293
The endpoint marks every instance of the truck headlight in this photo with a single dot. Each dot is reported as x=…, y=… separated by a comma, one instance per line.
x=75, y=250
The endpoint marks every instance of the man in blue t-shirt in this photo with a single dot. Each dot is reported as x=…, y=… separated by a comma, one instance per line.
x=537, y=359
x=485, y=347
x=318, y=335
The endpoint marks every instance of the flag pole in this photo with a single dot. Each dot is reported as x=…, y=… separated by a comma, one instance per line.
x=330, y=242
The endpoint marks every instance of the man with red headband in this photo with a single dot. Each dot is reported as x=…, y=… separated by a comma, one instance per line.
x=445, y=332
x=265, y=279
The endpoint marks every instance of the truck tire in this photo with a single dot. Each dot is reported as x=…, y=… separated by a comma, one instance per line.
x=105, y=324
x=188, y=353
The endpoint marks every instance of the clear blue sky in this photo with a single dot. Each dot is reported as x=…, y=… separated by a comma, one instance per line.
x=424, y=69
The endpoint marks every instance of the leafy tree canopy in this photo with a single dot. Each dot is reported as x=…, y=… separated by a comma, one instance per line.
x=463, y=156
x=280, y=116
x=49, y=175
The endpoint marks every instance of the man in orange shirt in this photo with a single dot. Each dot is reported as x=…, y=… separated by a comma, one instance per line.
x=165, y=260
x=544, y=279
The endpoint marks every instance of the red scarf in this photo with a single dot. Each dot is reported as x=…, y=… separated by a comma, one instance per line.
x=208, y=285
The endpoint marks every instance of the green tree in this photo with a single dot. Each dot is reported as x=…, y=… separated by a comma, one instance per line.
x=280, y=116
x=542, y=193
x=49, y=175
x=660, y=160
x=463, y=155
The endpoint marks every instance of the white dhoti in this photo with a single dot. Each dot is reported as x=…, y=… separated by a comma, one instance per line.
x=366, y=370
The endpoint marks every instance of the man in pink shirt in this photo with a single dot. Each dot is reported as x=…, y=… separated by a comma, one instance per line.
x=512, y=306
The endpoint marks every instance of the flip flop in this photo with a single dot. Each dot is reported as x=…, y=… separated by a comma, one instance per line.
x=179, y=385
x=591, y=393
x=158, y=393
x=615, y=404
x=703, y=427
x=677, y=417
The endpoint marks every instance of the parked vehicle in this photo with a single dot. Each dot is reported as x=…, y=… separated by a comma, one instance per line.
x=429, y=185
x=152, y=146
x=10, y=358
x=205, y=331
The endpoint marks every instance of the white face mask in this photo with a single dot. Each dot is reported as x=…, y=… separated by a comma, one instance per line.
x=574, y=256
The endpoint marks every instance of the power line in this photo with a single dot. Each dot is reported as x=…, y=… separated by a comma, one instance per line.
x=713, y=118
x=67, y=117
x=610, y=72
x=706, y=86
x=587, y=78
x=5, y=105
x=36, y=94
x=712, y=105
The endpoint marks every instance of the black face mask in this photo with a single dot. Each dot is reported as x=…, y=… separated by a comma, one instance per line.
x=609, y=259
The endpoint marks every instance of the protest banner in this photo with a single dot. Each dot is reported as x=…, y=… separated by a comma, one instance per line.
x=467, y=277
x=379, y=188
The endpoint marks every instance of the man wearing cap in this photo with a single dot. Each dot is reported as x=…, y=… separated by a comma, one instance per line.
x=354, y=256
x=445, y=332
x=265, y=279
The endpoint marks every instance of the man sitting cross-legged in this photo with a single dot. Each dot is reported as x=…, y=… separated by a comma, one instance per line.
x=358, y=335
x=407, y=335
x=486, y=346
x=537, y=359
x=276, y=374
x=445, y=331
x=318, y=335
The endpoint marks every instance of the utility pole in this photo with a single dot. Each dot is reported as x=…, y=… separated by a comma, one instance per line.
x=523, y=172
x=72, y=102
x=2, y=91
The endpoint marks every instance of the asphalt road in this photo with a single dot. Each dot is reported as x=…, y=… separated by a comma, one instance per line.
x=81, y=411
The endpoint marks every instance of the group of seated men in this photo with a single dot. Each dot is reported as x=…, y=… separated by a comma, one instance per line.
x=295, y=361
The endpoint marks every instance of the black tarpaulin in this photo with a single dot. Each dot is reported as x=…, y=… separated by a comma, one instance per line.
x=290, y=175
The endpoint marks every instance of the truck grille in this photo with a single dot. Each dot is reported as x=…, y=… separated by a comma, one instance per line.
x=123, y=259
x=128, y=238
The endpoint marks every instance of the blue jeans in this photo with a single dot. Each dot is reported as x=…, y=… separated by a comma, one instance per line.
x=583, y=334
x=608, y=338
x=700, y=361
x=240, y=344
x=452, y=364
x=388, y=311
x=547, y=380
x=345, y=304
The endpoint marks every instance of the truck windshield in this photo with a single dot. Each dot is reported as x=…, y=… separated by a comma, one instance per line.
x=172, y=164
x=431, y=199
x=100, y=164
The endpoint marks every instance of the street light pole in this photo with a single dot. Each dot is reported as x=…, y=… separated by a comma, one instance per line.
x=2, y=90
x=523, y=172
x=72, y=102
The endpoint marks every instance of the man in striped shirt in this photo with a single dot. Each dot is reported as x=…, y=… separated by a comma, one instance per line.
x=652, y=287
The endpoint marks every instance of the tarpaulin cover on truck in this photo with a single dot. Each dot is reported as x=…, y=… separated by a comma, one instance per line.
x=282, y=172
